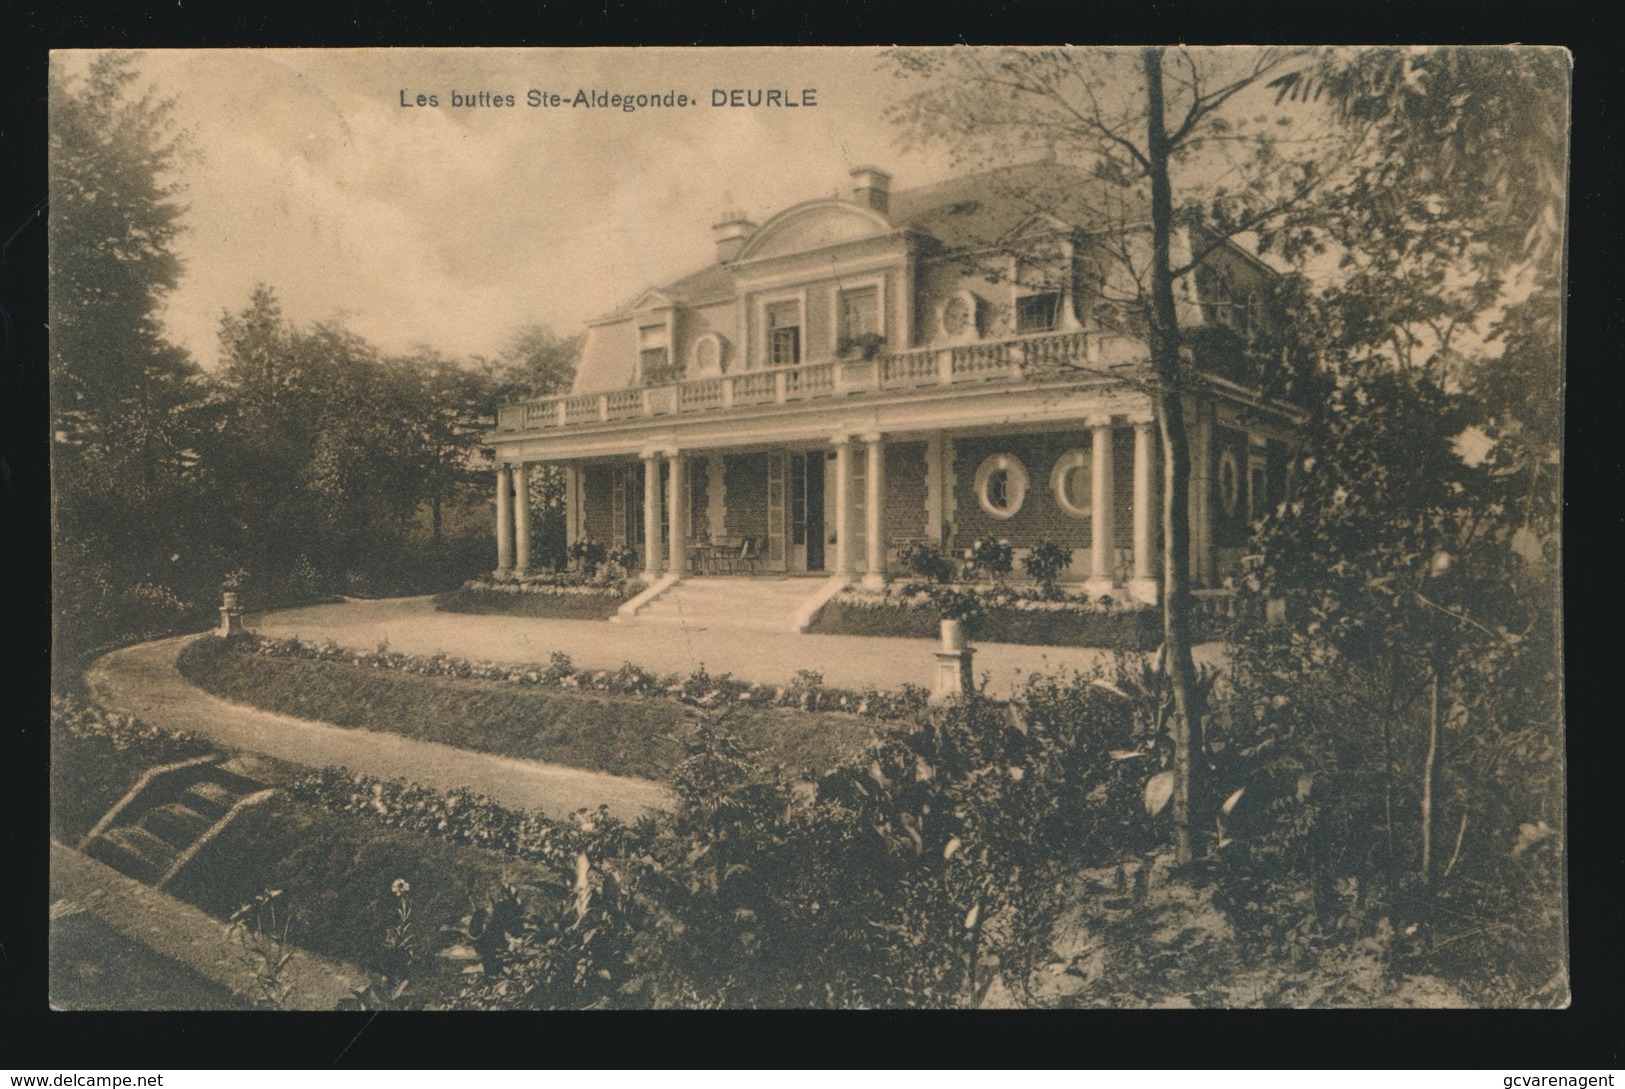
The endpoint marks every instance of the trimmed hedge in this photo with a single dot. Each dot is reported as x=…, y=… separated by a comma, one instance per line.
x=1130, y=629
x=623, y=735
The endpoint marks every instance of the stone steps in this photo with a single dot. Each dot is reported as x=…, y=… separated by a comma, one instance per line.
x=766, y=605
x=168, y=815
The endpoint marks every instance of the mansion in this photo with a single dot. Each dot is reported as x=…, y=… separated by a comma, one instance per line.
x=941, y=364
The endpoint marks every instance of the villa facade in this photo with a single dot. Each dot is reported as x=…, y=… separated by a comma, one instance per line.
x=936, y=365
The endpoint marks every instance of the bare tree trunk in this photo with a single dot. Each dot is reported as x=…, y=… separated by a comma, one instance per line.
x=1165, y=363
x=1430, y=766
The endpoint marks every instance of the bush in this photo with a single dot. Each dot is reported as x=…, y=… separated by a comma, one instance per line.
x=988, y=557
x=1044, y=565
x=926, y=561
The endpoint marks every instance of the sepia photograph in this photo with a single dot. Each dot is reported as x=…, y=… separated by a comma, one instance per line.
x=680, y=528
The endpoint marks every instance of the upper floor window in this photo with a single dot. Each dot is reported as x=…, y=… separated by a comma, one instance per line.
x=1038, y=313
x=654, y=355
x=860, y=313
x=784, y=333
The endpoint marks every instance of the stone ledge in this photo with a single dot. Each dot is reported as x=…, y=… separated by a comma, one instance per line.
x=183, y=933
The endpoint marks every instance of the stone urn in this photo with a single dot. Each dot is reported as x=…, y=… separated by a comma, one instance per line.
x=953, y=634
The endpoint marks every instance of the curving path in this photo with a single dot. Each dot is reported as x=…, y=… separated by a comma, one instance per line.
x=143, y=681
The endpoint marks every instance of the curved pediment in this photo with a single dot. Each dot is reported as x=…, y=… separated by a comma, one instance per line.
x=814, y=225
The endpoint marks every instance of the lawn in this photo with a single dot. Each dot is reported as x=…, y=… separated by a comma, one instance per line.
x=623, y=735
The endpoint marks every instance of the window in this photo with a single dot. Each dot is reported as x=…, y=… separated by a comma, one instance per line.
x=654, y=364
x=1038, y=313
x=1001, y=485
x=860, y=313
x=784, y=333
x=1072, y=482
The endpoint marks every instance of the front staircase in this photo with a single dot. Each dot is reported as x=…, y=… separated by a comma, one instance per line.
x=735, y=604
x=169, y=815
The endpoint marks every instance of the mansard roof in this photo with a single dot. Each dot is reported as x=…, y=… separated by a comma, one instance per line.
x=976, y=210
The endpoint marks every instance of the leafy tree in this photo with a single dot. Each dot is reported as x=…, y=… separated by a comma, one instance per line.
x=537, y=362
x=1399, y=170
x=126, y=406
x=1151, y=140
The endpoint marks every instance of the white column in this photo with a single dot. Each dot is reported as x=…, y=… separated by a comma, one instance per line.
x=843, y=504
x=934, y=506
x=1101, y=504
x=504, y=519
x=572, y=505
x=521, y=517
x=1145, y=554
x=678, y=515
x=651, y=517
x=874, y=511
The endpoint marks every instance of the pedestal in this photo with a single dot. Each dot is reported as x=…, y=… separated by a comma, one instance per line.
x=953, y=675
x=231, y=618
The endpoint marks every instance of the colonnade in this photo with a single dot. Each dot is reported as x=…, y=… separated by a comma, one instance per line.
x=513, y=518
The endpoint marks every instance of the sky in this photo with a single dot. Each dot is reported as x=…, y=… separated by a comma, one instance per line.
x=451, y=227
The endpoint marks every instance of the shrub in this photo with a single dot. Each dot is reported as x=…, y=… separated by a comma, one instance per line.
x=926, y=561
x=587, y=555
x=1044, y=565
x=988, y=557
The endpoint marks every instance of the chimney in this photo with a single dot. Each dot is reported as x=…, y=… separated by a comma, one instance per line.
x=730, y=235
x=871, y=187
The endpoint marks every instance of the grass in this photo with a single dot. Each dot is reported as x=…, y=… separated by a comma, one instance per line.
x=623, y=735
x=1135, y=629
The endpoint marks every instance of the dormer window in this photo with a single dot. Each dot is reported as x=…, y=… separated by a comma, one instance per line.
x=784, y=333
x=654, y=355
x=1038, y=313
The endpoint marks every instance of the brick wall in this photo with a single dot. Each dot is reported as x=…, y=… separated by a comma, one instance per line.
x=746, y=483
x=905, y=490
x=597, y=497
x=1040, y=516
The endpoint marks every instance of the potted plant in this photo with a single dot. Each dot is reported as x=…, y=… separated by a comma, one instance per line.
x=958, y=612
x=1044, y=564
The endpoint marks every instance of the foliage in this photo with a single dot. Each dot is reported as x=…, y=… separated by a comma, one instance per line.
x=1003, y=615
x=261, y=929
x=925, y=560
x=863, y=346
x=987, y=557
x=961, y=605
x=1044, y=565
x=587, y=555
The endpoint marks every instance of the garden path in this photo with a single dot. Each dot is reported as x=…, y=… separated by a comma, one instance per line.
x=143, y=681
x=411, y=625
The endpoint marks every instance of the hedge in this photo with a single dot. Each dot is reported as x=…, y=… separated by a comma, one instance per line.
x=1131, y=629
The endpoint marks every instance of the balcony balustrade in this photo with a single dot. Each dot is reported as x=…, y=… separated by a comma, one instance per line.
x=1037, y=356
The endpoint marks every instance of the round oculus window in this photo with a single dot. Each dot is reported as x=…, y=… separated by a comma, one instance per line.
x=1001, y=485
x=1073, y=483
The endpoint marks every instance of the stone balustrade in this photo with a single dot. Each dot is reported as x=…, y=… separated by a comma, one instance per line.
x=1015, y=359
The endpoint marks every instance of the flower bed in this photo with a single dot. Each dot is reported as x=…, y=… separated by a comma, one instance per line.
x=1006, y=616
x=620, y=721
x=560, y=595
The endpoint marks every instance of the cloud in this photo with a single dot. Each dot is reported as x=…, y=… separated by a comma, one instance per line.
x=449, y=227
